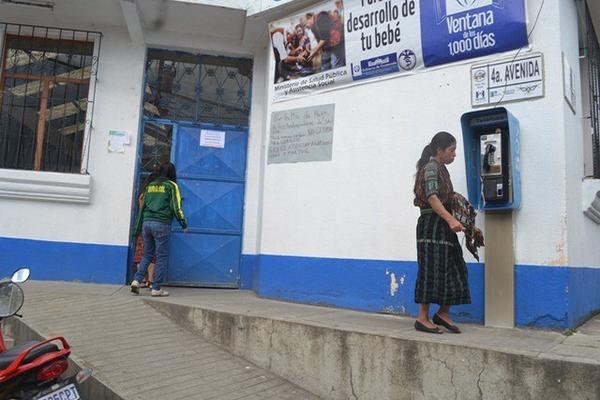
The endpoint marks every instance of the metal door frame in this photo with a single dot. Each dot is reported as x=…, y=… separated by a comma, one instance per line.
x=176, y=123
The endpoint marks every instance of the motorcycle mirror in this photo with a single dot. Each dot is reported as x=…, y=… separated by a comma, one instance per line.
x=20, y=275
x=11, y=299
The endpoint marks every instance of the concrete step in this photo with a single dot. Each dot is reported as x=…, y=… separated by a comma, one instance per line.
x=342, y=354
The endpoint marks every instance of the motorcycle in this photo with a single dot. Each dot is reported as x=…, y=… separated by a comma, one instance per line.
x=33, y=370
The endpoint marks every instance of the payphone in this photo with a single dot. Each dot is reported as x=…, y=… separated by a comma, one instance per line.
x=494, y=166
x=491, y=142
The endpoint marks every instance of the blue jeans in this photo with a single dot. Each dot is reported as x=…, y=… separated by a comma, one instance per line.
x=156, y=242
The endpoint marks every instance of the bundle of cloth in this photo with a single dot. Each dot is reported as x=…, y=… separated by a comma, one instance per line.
x=464, y=212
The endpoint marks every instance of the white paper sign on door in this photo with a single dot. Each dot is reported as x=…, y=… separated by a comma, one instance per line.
x=210, y=138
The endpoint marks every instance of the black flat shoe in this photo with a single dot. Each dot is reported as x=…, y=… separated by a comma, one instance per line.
x=423, y=328
x=439, y=321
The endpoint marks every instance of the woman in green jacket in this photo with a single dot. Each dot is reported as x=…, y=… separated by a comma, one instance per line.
x=162, y=202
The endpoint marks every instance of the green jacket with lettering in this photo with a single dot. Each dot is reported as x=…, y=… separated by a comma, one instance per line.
x=162, y=202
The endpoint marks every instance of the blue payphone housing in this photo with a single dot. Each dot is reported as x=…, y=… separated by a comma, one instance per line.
x=491, y=143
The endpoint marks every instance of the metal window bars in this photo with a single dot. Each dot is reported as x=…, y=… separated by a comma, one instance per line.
x=199, y=88
x=594, y=71
x=47, y=91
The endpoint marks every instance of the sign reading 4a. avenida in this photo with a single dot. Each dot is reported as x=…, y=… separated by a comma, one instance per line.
x=508, y=80
x=341, y=42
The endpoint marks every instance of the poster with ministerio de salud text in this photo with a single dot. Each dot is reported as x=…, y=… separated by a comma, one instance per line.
x=343, y=42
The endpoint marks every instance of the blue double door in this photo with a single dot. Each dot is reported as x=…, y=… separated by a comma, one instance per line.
x=211, y=166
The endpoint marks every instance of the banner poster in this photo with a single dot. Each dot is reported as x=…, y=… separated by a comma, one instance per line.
x=341, y=42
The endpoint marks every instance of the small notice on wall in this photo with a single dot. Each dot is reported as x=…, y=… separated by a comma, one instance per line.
x=302, y=134
x=117, y=140
x=210, y=138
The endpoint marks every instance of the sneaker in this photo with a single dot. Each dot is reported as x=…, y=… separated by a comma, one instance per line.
x=135, y=287
x=159, y=293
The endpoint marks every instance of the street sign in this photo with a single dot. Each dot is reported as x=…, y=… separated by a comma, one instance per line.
x=507, y=80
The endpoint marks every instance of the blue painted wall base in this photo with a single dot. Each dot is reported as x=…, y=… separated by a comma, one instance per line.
x=60, y=261
x=367, y=285
x=545, y=297
x=555, y=297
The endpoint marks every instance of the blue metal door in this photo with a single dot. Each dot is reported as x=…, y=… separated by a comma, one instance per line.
x=211, y=181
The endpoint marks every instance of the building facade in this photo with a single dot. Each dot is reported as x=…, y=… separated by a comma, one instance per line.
x=96, y=94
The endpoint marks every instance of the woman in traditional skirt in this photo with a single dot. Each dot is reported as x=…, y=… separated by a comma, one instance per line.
x=442, y=277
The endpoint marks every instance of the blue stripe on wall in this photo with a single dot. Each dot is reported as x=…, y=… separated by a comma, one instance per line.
x=545, y=297
x=349, y=283
x=61, y=261
x=541, y=296
x=555, y=297
x=584, y=294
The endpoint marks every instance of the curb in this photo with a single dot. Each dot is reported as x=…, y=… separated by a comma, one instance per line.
x=336, y=364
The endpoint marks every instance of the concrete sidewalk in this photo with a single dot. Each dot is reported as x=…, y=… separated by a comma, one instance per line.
x=333, y=353
x=139, y=354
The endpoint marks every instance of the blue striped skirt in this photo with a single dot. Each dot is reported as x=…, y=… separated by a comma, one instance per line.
x=442, y=277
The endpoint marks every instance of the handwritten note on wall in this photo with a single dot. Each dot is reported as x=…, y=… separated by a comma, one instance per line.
x=302, y=134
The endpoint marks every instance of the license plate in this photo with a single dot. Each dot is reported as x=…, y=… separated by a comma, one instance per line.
x=68, y=392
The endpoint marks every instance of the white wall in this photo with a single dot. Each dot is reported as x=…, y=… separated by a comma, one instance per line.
x=359, y=205
x=256, y=155
x=540, y=225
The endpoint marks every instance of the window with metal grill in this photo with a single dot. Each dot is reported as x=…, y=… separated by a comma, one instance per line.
x=44, y=98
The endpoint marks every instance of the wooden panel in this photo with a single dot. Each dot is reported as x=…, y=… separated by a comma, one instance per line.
x=41, y=129
x=80, y=76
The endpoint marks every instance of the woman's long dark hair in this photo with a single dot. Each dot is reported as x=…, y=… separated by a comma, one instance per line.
x=441, y=141
x=167, y=170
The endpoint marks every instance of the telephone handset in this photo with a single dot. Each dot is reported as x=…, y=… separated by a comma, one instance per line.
x=494, y=166
x=488, y=157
